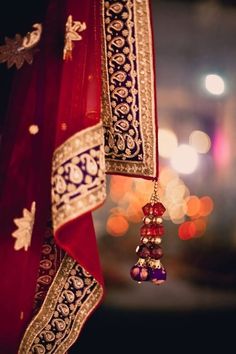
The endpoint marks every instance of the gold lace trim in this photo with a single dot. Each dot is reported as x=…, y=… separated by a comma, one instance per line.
x=71, y=298
x=78, y=175
x=128, y=106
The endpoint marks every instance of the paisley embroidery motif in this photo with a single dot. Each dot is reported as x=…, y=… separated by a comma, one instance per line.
x=78, y=175
x=51, y=258
x=128, y=89
x=57, y=325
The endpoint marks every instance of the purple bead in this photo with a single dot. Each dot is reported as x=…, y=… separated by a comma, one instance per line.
x=156, y=252
x=157, y=275
x=139, y=273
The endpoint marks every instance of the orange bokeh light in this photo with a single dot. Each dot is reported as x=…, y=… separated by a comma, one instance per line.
x=200, y=225
x=193, y=205
x=187, y=230
x=117, y=225
x=134, y=212
x=119, y=186
x=206, y=206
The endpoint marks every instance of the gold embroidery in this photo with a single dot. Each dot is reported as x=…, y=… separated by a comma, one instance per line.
x=72, y=29
x=51, y=258
x=128, y=89
x=64, y=311
x=17, y=50
x=78, y=175
x=24, y=230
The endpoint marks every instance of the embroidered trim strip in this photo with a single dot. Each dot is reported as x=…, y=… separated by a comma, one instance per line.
x=71, y=298
x=78, y=176
x=128, y=106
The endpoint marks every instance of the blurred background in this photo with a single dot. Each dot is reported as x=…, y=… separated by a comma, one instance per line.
x=196, y=91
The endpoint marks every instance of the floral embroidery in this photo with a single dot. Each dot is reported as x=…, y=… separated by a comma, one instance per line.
x=72, y=29
x=17, y=50
x=24, y=230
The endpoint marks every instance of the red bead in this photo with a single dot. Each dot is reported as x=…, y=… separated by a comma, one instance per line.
x=148, y=209
x=158, y=209
x=143, y=230
x=151, y=231
x=160, y=230
x=154, y=230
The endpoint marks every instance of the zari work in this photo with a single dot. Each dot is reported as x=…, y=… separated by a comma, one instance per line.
x=128, y=89
x=49, y=264
x=17, y=50
x=72, y=29
x=78, y=182
x=24, y=230
x=71, y=298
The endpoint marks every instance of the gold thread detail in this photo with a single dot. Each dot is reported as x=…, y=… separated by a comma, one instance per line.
x=19, y=49
x=23, y=233
x=71, y=298
x=78, y=175
x=72, y=29
x=51, y=258
x=128, y=104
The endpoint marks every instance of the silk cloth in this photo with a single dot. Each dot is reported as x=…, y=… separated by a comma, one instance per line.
x=53, y=178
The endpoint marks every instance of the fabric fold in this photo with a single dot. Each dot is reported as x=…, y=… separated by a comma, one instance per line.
x=83, y=108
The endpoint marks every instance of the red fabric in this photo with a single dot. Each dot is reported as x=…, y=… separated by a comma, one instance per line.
x=47, y=93
x=81, y=87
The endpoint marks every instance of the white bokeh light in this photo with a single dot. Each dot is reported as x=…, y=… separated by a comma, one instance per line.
x=214, y=84
x=184, y=159
x=167, y=142
x=200, y=141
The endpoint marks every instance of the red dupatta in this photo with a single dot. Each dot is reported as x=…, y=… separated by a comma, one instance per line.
x=52, y=95
x=62, y=99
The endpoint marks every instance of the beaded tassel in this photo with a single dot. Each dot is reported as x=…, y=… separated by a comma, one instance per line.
x=148, y=266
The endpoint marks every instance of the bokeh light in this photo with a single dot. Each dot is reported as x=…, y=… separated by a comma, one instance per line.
x=166, y=175
x=200, y=141
x=206, y=206
x=167, y=142
x=184, y=159
x=177, y=213
x=221, y=149
x=33, y=129
x=200, y=225
x=119, y=186
x=193, y=205
x=117, y=225
x=214, y=84
x=187, y=230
